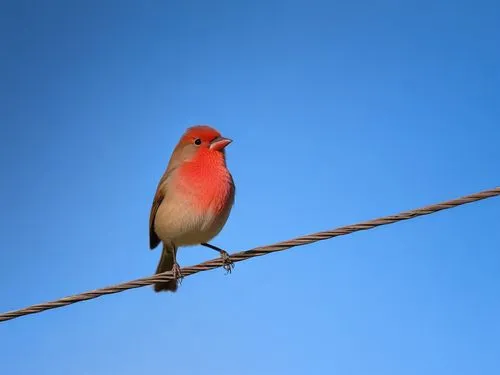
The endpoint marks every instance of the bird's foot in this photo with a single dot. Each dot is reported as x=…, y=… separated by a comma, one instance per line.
x=176, y=271
x=226, y=259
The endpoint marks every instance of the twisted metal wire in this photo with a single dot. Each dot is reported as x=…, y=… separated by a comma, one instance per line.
x=258, y=251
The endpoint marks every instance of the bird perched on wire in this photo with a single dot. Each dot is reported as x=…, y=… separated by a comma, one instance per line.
x=193, y=199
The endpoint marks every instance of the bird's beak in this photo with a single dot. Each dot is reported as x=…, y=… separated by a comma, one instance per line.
x=219, y=143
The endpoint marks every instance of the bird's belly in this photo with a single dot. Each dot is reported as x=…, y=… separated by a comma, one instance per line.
x=185, y=225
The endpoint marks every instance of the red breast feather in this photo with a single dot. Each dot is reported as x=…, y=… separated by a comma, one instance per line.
x=207, y=181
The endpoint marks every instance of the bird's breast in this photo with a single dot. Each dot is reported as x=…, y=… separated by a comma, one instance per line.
x=208, y=187
x=196, y=206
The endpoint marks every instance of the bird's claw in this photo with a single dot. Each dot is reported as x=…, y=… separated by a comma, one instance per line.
x=228, y=264
x=176, y=270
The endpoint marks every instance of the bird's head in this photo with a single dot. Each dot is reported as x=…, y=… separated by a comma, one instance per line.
x=204, y=137
x=201, y=142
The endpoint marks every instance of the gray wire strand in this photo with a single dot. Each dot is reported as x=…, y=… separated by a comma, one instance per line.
x=258, y=251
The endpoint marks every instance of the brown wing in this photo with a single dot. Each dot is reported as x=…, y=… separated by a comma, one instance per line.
x=154, y=240
x=161, y=190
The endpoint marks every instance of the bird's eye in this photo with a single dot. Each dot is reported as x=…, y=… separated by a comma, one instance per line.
x=197, y=141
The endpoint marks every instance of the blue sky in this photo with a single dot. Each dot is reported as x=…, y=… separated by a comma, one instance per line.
x=339, y=112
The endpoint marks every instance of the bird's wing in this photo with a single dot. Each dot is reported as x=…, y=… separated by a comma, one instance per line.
x=161, y=190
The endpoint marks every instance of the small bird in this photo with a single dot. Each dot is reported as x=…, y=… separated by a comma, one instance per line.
x=193, y=199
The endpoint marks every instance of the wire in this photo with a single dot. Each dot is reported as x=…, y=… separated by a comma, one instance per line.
x=258, y=251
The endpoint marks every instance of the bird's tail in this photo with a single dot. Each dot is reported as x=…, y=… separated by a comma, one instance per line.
x=166, y=263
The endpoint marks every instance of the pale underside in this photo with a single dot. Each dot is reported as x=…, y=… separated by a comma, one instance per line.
x=185, y=224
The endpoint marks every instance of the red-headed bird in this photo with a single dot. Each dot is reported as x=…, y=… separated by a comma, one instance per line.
x=193, y=199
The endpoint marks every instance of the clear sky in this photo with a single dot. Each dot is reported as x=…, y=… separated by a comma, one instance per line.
x=340, y=111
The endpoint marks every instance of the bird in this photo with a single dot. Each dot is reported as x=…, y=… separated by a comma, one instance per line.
x=193, y=200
